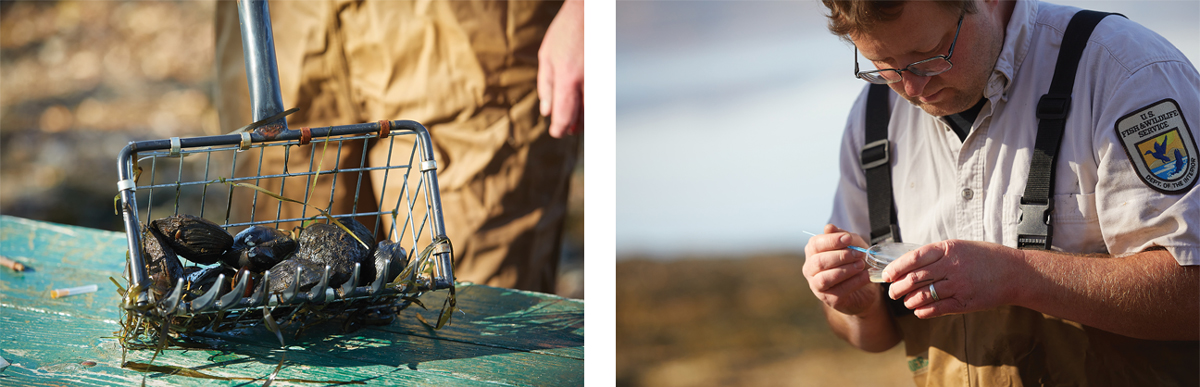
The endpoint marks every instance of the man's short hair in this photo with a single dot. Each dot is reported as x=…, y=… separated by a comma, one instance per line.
x=856, y=16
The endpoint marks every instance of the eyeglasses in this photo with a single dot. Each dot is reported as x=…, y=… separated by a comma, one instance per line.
x=925, y=68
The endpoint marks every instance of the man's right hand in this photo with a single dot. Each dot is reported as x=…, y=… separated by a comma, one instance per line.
x=853, y=305
x=560, y=71
x=837, y=275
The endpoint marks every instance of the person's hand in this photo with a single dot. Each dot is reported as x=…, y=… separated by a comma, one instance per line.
x=968, y=276
x=837, y=275
x=560, y=71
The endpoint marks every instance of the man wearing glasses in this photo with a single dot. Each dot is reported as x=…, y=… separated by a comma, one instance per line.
x=1115, y=300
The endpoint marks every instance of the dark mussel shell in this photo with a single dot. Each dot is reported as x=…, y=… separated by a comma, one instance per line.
x=367, y=271
x=388, y=249
x=195, y=238
x=326, y=244
x=284, y=274
x=162, y=266
x=259, y=248
x=359, y=230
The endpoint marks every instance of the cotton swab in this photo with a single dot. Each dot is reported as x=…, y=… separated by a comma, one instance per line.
x=11, y=264
x=855, y=248
x=56, y=293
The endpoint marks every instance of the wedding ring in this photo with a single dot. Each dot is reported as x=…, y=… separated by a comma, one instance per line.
x=933, y=292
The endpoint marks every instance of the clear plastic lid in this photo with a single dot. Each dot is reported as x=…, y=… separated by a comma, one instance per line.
x=880, y=255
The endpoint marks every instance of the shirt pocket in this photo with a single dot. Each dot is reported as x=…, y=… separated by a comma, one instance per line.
x=1075, y=222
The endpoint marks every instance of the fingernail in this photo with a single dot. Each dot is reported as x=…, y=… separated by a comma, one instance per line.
x=845, y=238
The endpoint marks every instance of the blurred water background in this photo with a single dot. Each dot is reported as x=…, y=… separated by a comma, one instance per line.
x=81, y=79
x=729, y=116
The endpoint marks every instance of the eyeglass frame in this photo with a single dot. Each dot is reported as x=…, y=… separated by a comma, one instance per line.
x=899, y=72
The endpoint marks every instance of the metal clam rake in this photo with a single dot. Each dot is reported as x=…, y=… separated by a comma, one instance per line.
x=225, y=305
x=188, y=176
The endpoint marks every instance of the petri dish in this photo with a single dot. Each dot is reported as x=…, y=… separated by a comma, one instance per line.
x=880, y=255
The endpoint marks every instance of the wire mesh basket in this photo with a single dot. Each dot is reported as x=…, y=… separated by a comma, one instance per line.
x=200, y=176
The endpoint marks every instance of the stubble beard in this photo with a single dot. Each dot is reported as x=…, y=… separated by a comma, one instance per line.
x=959, y=99
x=955, y=101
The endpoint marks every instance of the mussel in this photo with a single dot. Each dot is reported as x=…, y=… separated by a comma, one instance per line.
x=324, y=244
x=195, y=238
x=162, y=265
x=259, y=248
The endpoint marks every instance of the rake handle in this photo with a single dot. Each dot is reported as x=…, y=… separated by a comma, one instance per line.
x=262, y=73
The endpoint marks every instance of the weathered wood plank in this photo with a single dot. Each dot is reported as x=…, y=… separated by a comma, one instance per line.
x=505, y=337
x=424, y=354
x=55, y=354
x=56, y=257
x=505, y=318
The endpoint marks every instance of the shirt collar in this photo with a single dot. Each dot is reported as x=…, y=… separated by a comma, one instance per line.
x=1018, y=36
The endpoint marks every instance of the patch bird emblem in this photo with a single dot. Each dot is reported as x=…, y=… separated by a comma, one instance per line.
x=1160, y=151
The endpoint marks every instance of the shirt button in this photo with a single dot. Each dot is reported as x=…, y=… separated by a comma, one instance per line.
x=967, y=193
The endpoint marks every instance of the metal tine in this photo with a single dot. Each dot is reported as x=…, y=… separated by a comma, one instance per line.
x=317, y=295
x=232, y=298
x=272, y=325
x=348, y=287
x=168, y=305
x=290, y=294
x=205, y=302
x=381, y=278
x=260, y=292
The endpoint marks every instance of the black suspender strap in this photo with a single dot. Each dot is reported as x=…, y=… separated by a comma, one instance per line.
x=1034, y=230
x=875, y=160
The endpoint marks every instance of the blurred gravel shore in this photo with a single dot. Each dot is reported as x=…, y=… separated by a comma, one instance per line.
x=81, y=79
x=78, y=81
x=731, y=321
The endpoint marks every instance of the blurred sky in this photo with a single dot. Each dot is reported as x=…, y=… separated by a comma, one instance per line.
x=729, y=115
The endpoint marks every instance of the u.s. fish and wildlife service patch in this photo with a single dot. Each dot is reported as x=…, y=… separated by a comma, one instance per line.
x=1160, y=146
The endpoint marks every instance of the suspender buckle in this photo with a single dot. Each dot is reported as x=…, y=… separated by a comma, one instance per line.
x=875, y=154
x=1053, y=107
x=1033, y=231
x=889, y=234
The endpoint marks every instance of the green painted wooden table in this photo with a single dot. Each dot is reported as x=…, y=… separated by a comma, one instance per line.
x=505, y=337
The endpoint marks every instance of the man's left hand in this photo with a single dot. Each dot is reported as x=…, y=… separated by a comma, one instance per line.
x=967, y=276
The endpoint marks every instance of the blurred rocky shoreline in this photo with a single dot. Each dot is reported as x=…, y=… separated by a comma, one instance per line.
x=81, y=79
x=710, y=321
